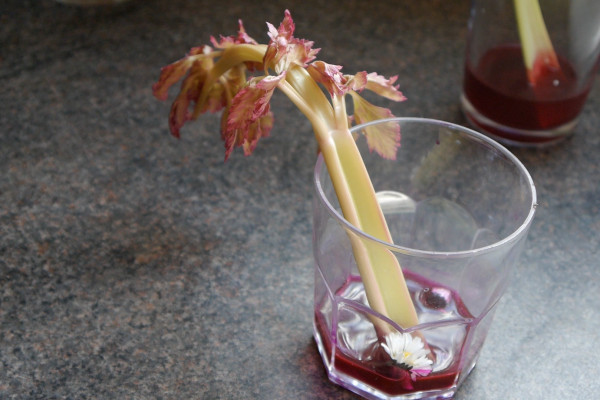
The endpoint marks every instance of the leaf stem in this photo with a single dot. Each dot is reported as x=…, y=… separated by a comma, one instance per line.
x=318, y=123
x=538, y=52
x=380, y=271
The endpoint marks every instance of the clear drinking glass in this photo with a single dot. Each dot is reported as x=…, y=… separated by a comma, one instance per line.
x=459, y=207
x=497, y=96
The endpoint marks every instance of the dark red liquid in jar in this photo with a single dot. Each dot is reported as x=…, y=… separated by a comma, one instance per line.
x=498, y=88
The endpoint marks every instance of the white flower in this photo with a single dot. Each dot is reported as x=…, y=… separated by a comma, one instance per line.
x=409, y=353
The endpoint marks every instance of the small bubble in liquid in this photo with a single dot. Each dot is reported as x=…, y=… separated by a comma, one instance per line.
x=435, y=298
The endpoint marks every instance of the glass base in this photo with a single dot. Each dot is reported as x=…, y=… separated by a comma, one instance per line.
x=514, y=136
x=350, y=347
x=366, y=391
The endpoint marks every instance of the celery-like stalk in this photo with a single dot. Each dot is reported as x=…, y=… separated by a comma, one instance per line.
x=215, y=79
x=538, y=52
x=379, y=269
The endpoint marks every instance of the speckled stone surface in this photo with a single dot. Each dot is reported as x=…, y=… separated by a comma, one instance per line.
x=136, y=266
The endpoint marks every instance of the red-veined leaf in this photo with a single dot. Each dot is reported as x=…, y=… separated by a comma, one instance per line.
x=172, y=73
x=382, y=138
x=331, y=77
x=249, y=117
x=284, y=49
x=384, y=87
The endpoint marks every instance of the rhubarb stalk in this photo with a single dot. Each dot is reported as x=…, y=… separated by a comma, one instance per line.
x=214, y=79
x=538, y=52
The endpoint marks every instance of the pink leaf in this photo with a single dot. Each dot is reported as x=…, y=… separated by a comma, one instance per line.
x=228, y=41
x=178, y=115
x=222, y=90
x=284, y=49
x=359, y=82
x=257, y=129
x=241, y=38
x=249, y=116
x=329, y=76
x=384, y=87
x=382, y=138
x=196, y=64
x=172, y=73
x=191, y=87
x=336, y=83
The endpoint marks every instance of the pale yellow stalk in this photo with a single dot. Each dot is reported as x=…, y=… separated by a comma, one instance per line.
x=380, y=271
x=535, y=40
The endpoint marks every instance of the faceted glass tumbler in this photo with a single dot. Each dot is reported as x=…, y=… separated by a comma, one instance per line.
x=458, y=206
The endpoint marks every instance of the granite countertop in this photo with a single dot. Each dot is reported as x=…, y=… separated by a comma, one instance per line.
x=136, y=266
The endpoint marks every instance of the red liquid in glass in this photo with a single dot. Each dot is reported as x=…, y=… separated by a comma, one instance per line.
x=498, y=89
x=391, y=379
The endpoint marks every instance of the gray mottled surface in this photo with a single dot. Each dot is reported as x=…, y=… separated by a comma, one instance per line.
x=136, y=266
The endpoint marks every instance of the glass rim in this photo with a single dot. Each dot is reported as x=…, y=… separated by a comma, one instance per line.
x=515, y=235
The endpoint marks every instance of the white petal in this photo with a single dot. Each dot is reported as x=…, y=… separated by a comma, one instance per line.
x=399, y=344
